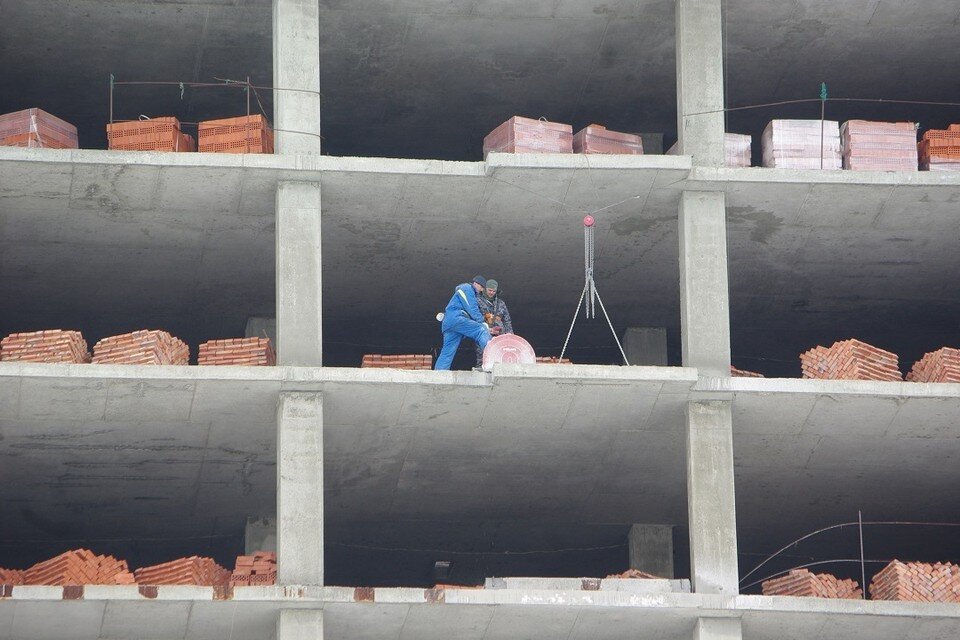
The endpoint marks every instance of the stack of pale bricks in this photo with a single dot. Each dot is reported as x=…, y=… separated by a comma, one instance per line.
x=246, y=352
x=552, y=360
x=800, y=582
x=939, y=150
x=879, y=146
x=917, y=582
x=410, y=362
x=35, y=128
x=258, y=569
x=797, y=144
x=598, y=139
x=142, y=347
x=942, y=365
x=45, y=346
x=526, y=135
x=850, y=360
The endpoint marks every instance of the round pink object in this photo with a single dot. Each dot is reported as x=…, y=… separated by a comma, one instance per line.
x=508, y=349
x=588, y=221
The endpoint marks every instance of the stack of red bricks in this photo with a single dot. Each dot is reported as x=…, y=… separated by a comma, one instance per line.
x=194, y=570
x=36, y=128
x=737, y=373
x=45, y=346
x=78, y=567
x=552, y=360
x=525, y=135
x=940, y=149
x=157, y=134
x=246, y=352
x=850, y=360
x=879, y=146
x=413, y=362
x=141, y=347
x=633, y=574
x=598, y=139
x=942, y=365
x=245, y=134
x=11, y=576
x=801, y=582
x=258, y=569
x=917, y=582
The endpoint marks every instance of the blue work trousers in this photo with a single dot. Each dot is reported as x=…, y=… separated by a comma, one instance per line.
x=454, y=330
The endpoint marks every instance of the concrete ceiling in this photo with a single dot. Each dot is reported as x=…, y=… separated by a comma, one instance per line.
x=426, y=79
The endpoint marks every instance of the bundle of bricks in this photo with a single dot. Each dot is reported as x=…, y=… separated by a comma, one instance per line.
x=35, y=128
x=942, y=365
x=917, y=582
x=141, y=347
x=245, y=352
x=796, y=144
x=258, y=569
x=879, y=146
x=633, y=574
x=157, y=134
x=801, y=582
x=598, y=139
x=245, y=134
x=78, y=567
x=11, y=576
x=737, y=373
x=552, y=360
x=412, y=362
x=737, y=150
x=939, y=149
x=850, y=360
x=45, y=346
x=195, y=570
x=526, y=135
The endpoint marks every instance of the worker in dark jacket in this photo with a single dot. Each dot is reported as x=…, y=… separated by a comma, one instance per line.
x=493, y=308
x=462, y=319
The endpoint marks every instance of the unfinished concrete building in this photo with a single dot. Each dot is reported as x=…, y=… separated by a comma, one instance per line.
x=374, y=485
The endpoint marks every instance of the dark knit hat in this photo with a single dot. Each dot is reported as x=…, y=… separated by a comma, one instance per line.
x=480, y=280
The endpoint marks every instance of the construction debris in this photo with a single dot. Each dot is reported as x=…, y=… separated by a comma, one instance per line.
x=156, y=134
x=800, y=582
x=141, y=347
x=917, y=582
x=245, y=134
x=796, y=144
x=598, y=139
x=194, y=570
x=879, y=146
x=35, y=128
x=525, y=135
x=939, y=149
x=78, y=567
x=53, y=345
x=256, y=570
x=850, y=360
x=247, y=352
x=942, y=365
x=410, y=362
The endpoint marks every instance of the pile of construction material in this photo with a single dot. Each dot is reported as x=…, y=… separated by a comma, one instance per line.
x=245, y=352
x=245, y=134
x=526, y=135
x=598, y=139
x=35, y=128
x=45, y=346
x=737, y=150
x=850, y=360
x=942, y=365
x=917, y=582
x=154, y=134
x=634, y=574
x=413, y=362
x=76, y=567
x=552, y=360
x=940, y=149
x=737, y=373
x=800, y=582
x=879, y=146
x=797, y=144
x=142, y=347
x=255, y=570
x=195, y=570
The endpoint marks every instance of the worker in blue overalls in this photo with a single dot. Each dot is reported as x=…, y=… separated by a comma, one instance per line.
x=462, y=319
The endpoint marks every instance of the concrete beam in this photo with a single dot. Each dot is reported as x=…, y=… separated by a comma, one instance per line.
x=718, y=629
x=300, y=489
x=299, y=275
x=700, y=103
x=296, y=76
x=646, y=346
x=651, y=548
x=711, y=498
x=704, y=297
x=300, y=624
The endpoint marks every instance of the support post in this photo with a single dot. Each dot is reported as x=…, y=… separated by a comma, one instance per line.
x=299, y=275
x=711, y=502
x=718, y=629
x=300, y=489
x=651, y=549
x=700, y=102
x=301, y=624
x=296, y=76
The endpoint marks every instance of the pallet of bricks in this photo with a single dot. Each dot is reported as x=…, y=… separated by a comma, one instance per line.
x=141, y=347
x=942, y=365
x=796, y=144
x=245, y=134
x=940, y=149
x=246, y=352
x=879, y=146
x=411, y=362
x=45, y=346
x=156, y=134
x=73, y=568
x=802, y=583
x=526, y=135
x=256, y=570
x=598, y=139
x=850, y=360
x=194, y=570
x=737, y=150
x=35, y=128
x=917, y=582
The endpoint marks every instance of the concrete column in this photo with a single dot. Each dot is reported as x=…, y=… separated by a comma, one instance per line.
x=260, y=535
x=646, y=346
x=296, y=76
x=299, y=275
x=300, y=624
x=704, y=303
x=651, y=548
x=300, y=489
x=700, y=118
x=710, y=498
x=718, y=629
